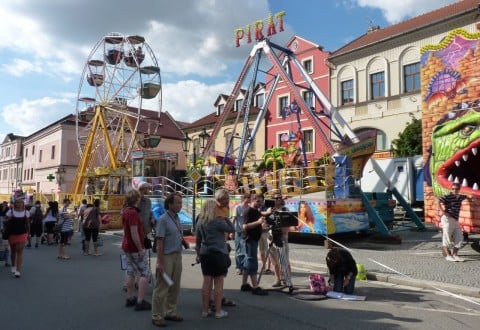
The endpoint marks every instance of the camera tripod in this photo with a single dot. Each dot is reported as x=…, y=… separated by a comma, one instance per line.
x=284, y=264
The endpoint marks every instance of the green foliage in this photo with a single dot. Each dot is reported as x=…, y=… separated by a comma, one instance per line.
x=409, y=142
x=273, y=158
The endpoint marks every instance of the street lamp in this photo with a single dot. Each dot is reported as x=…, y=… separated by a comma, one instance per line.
x=186, y=147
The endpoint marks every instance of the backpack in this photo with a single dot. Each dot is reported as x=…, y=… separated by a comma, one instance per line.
x=37, y=216
x=317, y=284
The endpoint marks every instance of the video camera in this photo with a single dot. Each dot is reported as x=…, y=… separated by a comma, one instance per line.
x=279, y=220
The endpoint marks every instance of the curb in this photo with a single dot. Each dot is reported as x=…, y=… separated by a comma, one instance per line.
x=399, y=280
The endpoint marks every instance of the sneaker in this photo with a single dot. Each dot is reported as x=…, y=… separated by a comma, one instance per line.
x=221, y=314
x=13, y=269
x=246, y=287
x=17, y=274
x=457, y=258
x=207, y=314
x=36, y=245
x=277, y=284
x=450, y=258
x=259, y=291
x=159, y=322
x=143, y=306
x=29, y=245
x=131, y=302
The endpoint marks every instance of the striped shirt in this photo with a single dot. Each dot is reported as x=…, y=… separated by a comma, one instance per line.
x=66, y=220
x=452, y=204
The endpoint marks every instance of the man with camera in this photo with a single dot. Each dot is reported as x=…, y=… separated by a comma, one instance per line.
x=278, y=237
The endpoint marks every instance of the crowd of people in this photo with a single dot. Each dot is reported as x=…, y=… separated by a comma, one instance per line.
x=23, y=226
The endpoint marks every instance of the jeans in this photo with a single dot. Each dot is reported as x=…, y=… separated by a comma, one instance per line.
x=239, y=250
x=338, y=284
x=250, y=263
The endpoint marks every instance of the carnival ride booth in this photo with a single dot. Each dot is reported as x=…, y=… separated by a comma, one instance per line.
x=95, y=76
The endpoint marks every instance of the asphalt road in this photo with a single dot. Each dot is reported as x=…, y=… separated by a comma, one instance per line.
x=86, y=293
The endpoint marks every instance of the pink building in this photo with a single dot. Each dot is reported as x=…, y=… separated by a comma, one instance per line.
x=280, y=128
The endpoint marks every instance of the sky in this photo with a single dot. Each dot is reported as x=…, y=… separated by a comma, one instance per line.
x=45, y=44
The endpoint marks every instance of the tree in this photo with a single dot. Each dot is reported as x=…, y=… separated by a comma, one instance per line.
x=409, y=142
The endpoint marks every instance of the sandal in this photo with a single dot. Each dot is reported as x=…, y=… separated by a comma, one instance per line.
x=228, y=303
x=267, y=271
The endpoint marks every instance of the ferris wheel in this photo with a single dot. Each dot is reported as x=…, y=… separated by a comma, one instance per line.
x=119, y=96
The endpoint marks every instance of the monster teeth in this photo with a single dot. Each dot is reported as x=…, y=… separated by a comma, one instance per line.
x=465, y=157
x=475, y=186
x=464, y=183
x=457, y=163
x=474, y=151
x=456, y=180
x=450, y=178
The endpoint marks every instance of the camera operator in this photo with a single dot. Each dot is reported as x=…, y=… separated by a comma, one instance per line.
x=279, y=238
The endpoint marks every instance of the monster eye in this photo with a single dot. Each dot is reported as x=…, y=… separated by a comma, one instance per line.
x=468, y=129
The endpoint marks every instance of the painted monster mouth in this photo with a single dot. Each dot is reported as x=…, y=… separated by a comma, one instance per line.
x=462, y=168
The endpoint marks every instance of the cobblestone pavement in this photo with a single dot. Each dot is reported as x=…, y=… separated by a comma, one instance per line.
x=417, y=261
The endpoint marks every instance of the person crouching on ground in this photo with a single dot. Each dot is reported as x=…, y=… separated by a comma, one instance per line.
x=342, y=269
x=137, y=257
x=213, y=255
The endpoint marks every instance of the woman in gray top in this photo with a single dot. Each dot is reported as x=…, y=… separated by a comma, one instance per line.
x=213, y=255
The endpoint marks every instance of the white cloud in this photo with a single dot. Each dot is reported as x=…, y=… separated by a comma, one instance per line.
x=190, y=100
x=395, y=11
x=29, y=116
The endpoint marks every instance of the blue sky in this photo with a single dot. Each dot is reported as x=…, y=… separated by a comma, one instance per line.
x=44, y=45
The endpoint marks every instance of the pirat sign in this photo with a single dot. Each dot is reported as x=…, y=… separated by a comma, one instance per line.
x=274, y=22
x=450, y=87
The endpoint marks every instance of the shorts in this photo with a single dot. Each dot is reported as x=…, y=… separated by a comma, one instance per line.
x=49, y=227
x=137, y=264
x=16, y=239
x=263, y=243
x=91, y=234
x=250, y=262
x=451, y=232
x=36, y=229
x=65, y=236
x=215, y=264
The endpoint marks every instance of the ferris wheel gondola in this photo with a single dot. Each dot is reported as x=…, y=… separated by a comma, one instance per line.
x=121, y=77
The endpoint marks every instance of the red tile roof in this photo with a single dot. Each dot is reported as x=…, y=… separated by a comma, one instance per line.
x=438, y=15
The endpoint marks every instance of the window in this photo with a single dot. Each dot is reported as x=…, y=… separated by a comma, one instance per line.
x=238, y=104
x=377, y=85
x=33, y=150
x=411, y=77
x=308, y=65
x=7, y=152
x=220, y=108
x=40, y=156
x=308, y=140
x=26, y=152
x=282, y=103
x=31, y=173
x=259, y=100
x=53, y=153
x=347, y=91
x=308, y=98
x=381, y=140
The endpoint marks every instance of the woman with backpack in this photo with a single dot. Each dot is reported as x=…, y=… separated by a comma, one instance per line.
x=36, y=219
x=91, y=227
